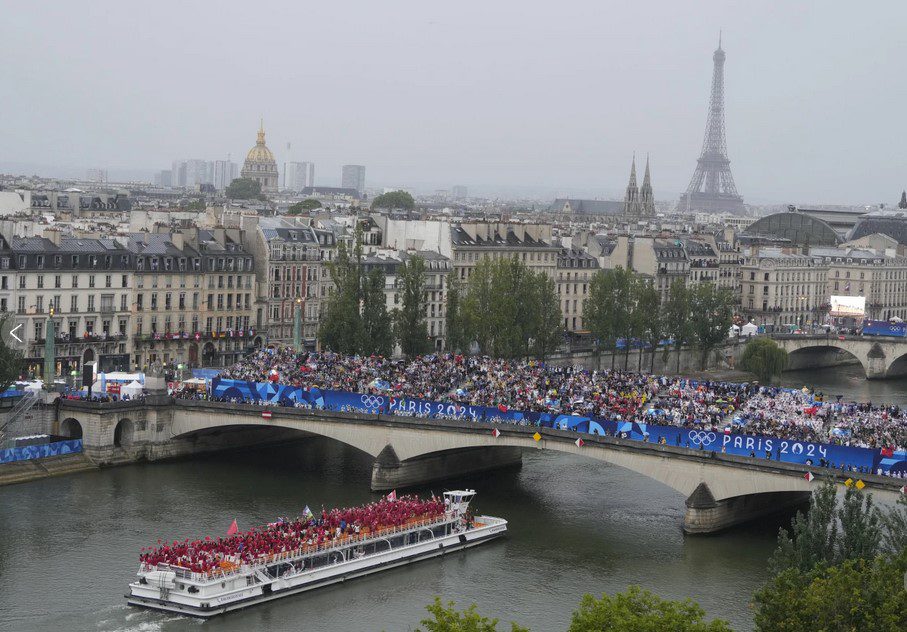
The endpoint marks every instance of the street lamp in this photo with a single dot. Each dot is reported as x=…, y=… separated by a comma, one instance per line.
x=297, y=326
x=50, y=352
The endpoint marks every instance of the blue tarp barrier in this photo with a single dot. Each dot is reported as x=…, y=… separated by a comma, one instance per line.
x=41, y=451
x=777, y=449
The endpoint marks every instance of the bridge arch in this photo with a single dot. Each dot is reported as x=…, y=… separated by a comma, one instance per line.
x=123, y=433
x=897, y=367
x=71, y=428
x=824, y=354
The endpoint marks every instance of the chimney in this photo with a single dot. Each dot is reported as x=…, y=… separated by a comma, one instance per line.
x=54, y=235
x=177, y=240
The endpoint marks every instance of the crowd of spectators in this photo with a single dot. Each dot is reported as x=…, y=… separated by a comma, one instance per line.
x=621, y=395
x=261, y=544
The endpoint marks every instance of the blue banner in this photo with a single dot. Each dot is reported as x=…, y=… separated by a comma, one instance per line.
x=756, y=446
x=41, y=451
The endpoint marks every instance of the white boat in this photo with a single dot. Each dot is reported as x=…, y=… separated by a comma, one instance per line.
x=176, y=589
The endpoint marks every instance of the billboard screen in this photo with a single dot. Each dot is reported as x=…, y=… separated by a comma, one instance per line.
x=848, y=306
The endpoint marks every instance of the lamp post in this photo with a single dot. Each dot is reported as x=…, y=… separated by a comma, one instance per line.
x=50, y=352
x=297, y=326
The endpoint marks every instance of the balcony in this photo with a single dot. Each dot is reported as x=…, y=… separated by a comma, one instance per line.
x=66, y=339
x=237, y=334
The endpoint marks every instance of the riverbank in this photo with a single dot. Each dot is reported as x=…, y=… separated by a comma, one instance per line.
x=36, y=469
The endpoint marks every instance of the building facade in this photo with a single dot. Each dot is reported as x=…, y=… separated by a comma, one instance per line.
x=575, y=268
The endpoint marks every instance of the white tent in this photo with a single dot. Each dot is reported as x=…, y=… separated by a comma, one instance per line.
x=133, y=389
x=733, y=331
x=749, y=329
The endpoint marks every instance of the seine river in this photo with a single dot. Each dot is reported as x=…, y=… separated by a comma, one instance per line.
x=68, y=546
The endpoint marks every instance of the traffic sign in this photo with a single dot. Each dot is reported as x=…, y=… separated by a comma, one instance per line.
x=266, y=414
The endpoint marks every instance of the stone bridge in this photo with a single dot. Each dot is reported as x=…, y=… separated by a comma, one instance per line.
x=880, y=357
x=721, y=490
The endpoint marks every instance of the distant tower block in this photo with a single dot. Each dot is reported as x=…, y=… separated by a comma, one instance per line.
x=712, y=187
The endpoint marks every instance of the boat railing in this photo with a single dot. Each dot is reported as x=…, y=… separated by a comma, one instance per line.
x=231, y=568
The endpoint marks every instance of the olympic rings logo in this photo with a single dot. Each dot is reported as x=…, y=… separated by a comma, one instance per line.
x=372, y=401
x=701, y=437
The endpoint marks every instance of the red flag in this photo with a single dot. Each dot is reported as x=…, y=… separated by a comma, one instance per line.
x=495, y=433
x=392, y=495
x=233, y=528
x=888, y=452
x=502, y=408
x=579, y=443
x=809, y=477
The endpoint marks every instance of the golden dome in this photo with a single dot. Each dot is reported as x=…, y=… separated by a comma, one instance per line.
x=260, y=153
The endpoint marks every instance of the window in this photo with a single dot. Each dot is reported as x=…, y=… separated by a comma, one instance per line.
x=74, y=303
x=154, y=300
x=40, y=261
x=139, y=301
x=124, y=282
x=21, y=305
x=21, y=282
x=167, y=300
x=91, y=280
x=39, y=304
x=182, y=300
x=91, y=302
x=40, y=281
x=108, y=281
x=123, y=305
x=75, y=280
x=58, y=281
x=58, y=261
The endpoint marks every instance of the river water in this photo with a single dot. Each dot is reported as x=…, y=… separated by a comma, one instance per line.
x=68, y=546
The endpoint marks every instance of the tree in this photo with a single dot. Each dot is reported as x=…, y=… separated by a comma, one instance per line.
x=11, y=362
x=244, y=189
x=858, y=594
x=456, y=334
x=447, y=619
x=597, y=310
x=763, y=358
x=677, y=316
x=309, y=204
x=341, y=323
x=712, y=308
x=827, y=535
x=651, y=325
x=377, y=326
x=895, y=519
x=394, y=200
x=549, y=331
x=509, y=310
x=639, y=610
x=409, y=320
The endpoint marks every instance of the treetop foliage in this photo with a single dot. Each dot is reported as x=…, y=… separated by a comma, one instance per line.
x=394, y=200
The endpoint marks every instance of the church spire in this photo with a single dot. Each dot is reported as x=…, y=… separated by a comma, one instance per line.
x=646, y=197
x=631, y=205
x=903, y=202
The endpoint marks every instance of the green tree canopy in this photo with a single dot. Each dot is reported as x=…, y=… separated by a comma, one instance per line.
x=244, y=189
x=456, y=332
x=409, y=320
x=377, y=326
x=638, y=610
x=858, y=594
x=510, y=310
x=711, y=310
x=677, y=316
x=309, y=204
x=394, y=200
x=341, y=322
x=763, y=358
x=827, y=535
x=445, y=618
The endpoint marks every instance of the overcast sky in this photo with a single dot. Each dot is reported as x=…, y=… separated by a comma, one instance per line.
x=546, y=97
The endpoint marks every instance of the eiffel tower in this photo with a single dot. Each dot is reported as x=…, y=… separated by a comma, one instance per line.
x=712, y=187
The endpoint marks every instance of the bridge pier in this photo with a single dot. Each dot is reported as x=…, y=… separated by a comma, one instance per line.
x=704, y=514
x=388, y=472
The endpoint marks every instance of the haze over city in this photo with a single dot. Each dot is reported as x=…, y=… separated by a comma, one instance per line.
x=540, y=99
